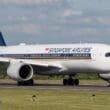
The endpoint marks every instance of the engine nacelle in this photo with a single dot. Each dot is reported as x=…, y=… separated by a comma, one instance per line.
x=105, y=76
x=20, y=71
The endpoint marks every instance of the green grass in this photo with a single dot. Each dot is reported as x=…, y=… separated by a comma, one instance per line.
x=86, y=76
x=21, y=99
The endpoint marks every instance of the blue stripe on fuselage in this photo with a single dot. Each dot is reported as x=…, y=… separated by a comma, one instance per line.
x=49, y=56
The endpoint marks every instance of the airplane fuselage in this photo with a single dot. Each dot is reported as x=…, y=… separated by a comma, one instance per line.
x=71, y=57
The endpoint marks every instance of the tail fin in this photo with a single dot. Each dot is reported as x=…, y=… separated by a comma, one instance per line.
x=2, y=41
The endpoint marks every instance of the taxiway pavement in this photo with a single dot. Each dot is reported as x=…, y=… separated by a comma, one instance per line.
x=57, y=86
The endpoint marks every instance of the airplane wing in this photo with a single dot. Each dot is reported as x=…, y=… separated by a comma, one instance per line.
x=35, y=63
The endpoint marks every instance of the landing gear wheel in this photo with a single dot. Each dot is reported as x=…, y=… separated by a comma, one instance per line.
x=26, y=83
x=65, y=82
x=76, y=82
x=71, y=82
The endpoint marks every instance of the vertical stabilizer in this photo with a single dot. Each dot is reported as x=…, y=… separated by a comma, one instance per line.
x=2, y=41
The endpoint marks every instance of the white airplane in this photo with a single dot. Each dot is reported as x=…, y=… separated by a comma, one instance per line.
x=23, y=61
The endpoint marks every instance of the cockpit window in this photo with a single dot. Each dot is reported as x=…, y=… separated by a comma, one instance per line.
x=107, y=54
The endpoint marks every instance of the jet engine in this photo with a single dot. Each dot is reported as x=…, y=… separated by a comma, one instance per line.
x=20, y=71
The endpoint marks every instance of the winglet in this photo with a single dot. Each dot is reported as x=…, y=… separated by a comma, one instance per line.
x=2, y=41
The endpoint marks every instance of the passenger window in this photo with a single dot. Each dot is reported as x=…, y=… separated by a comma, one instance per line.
x=107, y=54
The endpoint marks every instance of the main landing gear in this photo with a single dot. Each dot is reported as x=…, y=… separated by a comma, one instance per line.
x=26, y=83
x=70, y=81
